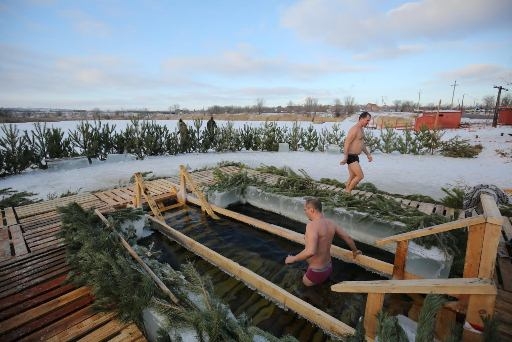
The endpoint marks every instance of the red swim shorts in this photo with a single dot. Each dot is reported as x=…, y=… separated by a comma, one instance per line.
x=318, y=276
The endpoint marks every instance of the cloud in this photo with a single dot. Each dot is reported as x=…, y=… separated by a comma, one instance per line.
x=244, y=62
x=84, y=24
x=366, y=25
x=389, y=52
x=479, y=73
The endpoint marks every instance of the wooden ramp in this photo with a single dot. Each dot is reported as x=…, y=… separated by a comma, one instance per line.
x=36, y=302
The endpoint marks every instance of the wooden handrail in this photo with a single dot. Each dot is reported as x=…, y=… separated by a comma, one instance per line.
x=440, y=228
x=450, y=286
x=491, y=211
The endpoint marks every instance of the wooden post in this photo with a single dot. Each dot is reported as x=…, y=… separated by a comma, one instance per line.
x=205, y=206
x=474, y=250
x=400, y=259
x=374, y=303
x=488, y=259
x=182, y=193
x=479, y=305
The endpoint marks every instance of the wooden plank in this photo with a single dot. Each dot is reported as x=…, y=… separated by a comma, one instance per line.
x=400, y=259
x=7, y=265
x=33, y=281
x=110, y=329
x=35, y=301
x=78, y=330
x=488, y=259
x=374, y=303
x=31, y=292
x=107, y=199
x=129, y=333
x=10, y=217
x=505, y=269
x=443, y=286
x=41, y=229
x=5, y=243
x=41, y=310
x=56, y=242
x=491, y=211
x=440, y=228
x=479, y=305
x=70, y=320
x=474, y=250
x=507, y=228
x=40, y=322
x=267, y=288
x=26, y=269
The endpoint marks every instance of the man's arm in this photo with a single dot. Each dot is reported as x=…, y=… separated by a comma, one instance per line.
x=311, y=241
x=368, y=155
x=350, y=242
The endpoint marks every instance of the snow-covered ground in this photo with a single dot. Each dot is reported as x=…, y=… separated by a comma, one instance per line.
x=395, y=173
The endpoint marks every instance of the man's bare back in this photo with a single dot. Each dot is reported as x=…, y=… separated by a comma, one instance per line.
x=317, y=245
x=325, y=230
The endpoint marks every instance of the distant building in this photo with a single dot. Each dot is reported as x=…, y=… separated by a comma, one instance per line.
x=372, y=107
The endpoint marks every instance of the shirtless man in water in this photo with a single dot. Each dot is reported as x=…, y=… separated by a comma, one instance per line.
x=354, y=145
x=318, y=240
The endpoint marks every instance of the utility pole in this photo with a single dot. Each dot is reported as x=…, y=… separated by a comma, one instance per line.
x=496, y=109
x=419, y=96
x=453, y=93
x=462, y=105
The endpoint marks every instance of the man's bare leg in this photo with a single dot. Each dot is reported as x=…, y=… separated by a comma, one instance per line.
x=356, y=175
x=351, y=176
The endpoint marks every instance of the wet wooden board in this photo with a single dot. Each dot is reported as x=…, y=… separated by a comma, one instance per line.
x=46, y=206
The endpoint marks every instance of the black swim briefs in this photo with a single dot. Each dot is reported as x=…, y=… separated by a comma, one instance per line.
x=352, y=158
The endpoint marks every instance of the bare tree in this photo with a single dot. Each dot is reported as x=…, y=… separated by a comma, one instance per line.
x=174, y=109
x=311, y=105
x=407, y=106
x=488, y=101
x=397, y=104
x=506, y=101
x=290, y=107
x=350, y=105
x=259, y=105
x=338, y=107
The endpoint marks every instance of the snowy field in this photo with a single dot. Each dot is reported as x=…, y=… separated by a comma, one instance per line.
x=395, y=173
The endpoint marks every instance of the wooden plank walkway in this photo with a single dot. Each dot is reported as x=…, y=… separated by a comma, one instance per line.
x=36, y=303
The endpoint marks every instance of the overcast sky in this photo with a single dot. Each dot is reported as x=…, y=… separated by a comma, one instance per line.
x=116, y=54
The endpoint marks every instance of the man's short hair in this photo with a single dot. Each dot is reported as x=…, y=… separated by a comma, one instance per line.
x=314, y=202
x=364, y=115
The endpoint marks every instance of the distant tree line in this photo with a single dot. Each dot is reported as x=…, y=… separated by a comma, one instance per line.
x=310, y=107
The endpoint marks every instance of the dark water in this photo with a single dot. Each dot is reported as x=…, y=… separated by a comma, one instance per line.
x=264, y=254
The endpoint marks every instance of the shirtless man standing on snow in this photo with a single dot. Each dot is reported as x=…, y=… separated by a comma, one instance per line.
x=354, y=145
x=318, y=240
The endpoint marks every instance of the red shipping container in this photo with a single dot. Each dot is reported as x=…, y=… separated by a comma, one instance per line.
x=438, y=120
x=505, y=116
